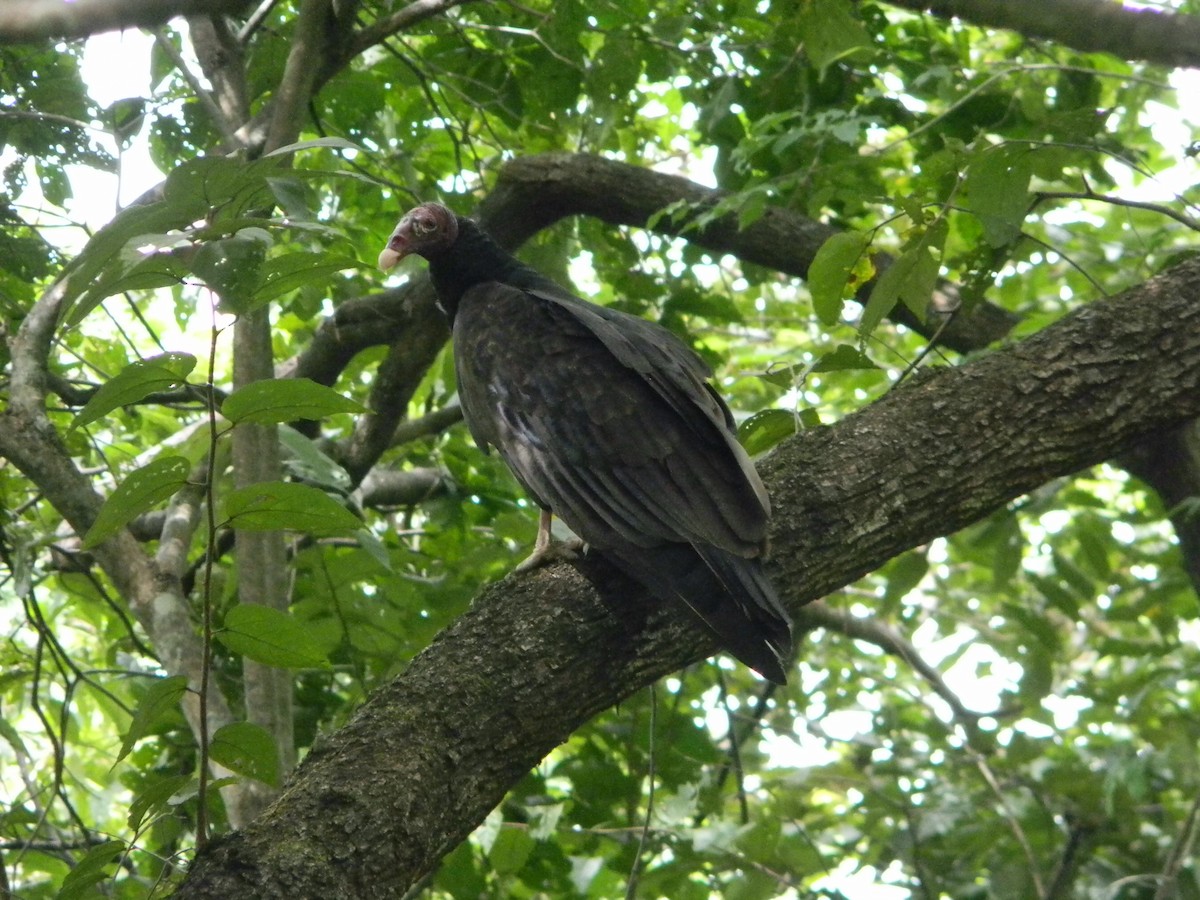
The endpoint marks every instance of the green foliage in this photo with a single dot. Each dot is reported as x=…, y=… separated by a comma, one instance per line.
x=273, y=505
x=140, y=491
x=275, y=400
x=136, y=382
x=1026, y=708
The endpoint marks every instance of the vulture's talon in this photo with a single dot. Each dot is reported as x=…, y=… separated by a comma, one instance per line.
x=546, y=549
x=553, y=551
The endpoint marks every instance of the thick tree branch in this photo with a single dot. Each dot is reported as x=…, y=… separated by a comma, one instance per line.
x=298, y=83
x=31, y=21
x=224, y=65
x=376, y=805
x=533, y=192
x=1161, y=38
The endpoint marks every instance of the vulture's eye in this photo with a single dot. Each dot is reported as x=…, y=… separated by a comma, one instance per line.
x=423, y=226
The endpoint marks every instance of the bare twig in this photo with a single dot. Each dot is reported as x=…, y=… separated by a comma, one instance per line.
x=634, y=873
x=400, y=20
x=1181, y=852
x=1089, y=194
x=887, y=639
x=1014, y=824
x=255, y=21
x=224, y=125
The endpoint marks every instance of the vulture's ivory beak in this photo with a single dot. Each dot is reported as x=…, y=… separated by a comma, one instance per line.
x=389, y=257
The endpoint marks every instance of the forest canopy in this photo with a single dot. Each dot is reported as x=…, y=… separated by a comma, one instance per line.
x=260, y=631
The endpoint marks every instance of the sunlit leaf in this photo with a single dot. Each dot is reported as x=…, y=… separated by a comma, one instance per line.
x=90, y=870
x=834, y=274
x=285, y=400
x=843, y=357
x=140, y=491
x=160, y=701
x=135, y=382
x=765, y=429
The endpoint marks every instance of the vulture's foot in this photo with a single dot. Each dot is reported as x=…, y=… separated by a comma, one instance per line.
x=546, y=549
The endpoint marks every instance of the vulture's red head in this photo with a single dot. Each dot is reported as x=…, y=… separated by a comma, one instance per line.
x=425, y=230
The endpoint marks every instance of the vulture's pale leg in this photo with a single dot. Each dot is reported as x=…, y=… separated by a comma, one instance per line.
x=545, y=548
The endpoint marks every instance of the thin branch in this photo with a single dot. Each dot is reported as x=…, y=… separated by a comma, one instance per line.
x=223, y=63
x=226, y=127
x=180, y=524
x=1014, y=825
x=890, y=641
x=435, y=423
x=1089, y=194
x=735, y=745
x=1181, y=853
x=255, y=21
x=400, y=20
x=635, y=872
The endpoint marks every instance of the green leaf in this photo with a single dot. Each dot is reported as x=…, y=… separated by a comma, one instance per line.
x=190, y=192
x=904, y=573
x=830, y=31
x=160, y=701
x=510, y=850
x=142, y=490
x=156, y=797
x=835, y=273
x=230, y=267
x=765, y=429
x=843, y=357
x=281, y=505
x=997, y=185
x=887, y=289
x=291, y=271
x=333, y=143
x=247, y=749
x=135, y=382
x=90, y=870
x=374, y=547
x=270, y=637
x=285, y=400
x=307, y=463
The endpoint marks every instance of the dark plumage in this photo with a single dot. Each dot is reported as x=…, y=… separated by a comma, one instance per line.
x=609, y=422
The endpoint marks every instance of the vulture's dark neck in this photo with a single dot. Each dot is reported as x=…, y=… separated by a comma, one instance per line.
x=473, y=259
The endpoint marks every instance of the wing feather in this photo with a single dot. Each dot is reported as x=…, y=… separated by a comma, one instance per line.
x=612, y=427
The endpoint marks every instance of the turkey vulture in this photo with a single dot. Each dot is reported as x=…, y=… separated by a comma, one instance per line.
x=608, y=421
